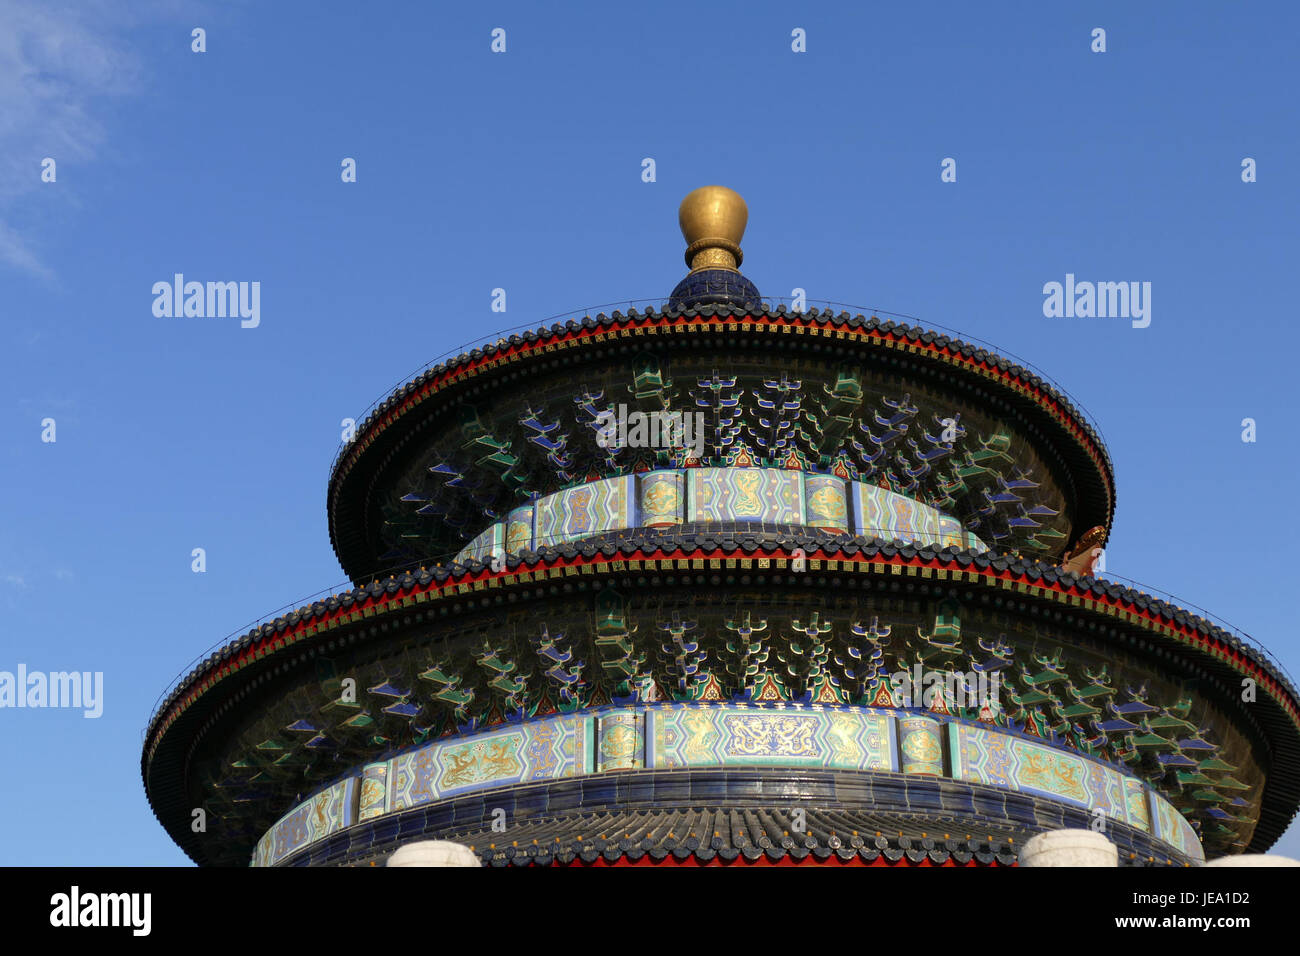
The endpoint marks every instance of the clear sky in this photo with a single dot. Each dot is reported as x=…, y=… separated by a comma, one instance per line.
x=523, y=171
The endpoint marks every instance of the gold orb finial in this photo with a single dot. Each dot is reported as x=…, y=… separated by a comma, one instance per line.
x=713, y=221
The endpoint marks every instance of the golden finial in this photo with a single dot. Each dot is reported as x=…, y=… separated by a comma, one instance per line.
x=713, y=221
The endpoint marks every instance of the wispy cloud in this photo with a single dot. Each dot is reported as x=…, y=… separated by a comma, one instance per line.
x=16, y=251
x=60, y=61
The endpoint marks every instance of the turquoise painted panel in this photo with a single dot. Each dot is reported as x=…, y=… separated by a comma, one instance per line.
x=519, y=530
x=538, y=750
x=483, y=546
x=664, y=736
x=826, y=502
x=328, y=812
x=694, y=736
x=669, y=497
x=983, y=755
x=622, y=741
x=1173, y=828
x=373, y=801
x=920, y=746
x=663, y=498
x=879, y=513
x=768, y=495
x=585, y=510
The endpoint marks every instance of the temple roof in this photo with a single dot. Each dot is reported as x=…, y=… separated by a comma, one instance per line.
x=759, y=542
x=740, y=836
x=617, y=320
x=1051, y=447
x=814, y=430
x=651, y=817
x=1134, y=620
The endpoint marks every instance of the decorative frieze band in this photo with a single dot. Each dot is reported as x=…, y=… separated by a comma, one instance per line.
x=669, y=497
x=666, y=736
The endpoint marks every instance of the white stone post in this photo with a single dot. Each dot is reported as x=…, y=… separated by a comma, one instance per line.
x=1069, y=848
x=433, y=853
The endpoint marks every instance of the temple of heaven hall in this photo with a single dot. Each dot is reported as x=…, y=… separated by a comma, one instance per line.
x=725, y=584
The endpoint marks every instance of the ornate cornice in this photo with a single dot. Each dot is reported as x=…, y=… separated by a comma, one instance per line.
x=1032, y=579
x=854, y=820
x=349, y=486
x=1138, y=621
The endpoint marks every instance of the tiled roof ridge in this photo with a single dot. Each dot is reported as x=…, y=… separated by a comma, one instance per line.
x=649, y=544
x=754, y=832
x=901, y=849
x=841, y=319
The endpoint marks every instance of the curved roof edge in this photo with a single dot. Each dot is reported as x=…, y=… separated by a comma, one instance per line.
x=914, y=340
x=347, y=606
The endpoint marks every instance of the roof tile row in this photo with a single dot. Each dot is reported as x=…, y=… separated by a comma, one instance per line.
x=749, y=542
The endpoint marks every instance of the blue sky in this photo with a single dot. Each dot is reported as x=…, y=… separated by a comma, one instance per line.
x=522, y=171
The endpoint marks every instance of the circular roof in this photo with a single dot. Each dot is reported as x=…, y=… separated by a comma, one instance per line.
x=242, y=679
x=478, y=424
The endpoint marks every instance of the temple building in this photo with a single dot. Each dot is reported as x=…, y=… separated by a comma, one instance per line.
x=852, y=620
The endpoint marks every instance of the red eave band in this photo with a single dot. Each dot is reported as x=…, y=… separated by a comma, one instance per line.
x=374, y=605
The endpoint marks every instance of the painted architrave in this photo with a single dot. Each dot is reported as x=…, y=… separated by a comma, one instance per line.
x=536, y=750
x=920, y=747
x=951, y=532
x=519, y=531
x=324, y=814
x=1173, y=828
x=765, y=495
x=662, y=498
x=712, y=736
x=982, y=755
x=879, y=513
x=374, y=790
x=669, y=497
x=665, y=736
x=585, y=510
x=484, y=545
x=826, y=502
x=621, y=736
